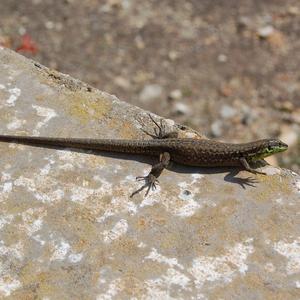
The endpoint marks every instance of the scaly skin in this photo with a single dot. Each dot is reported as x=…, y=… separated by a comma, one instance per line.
x=186, y=151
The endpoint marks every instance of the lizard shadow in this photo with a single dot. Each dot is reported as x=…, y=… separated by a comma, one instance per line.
x=229, y=177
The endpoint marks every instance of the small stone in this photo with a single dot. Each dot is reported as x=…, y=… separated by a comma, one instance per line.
x=22, y=30
x=49, y=25
x=265, y=31
x=176, y=94
x=151, y=92
x=122, y=82
x=286, y=106
x=222, y=58
x=182, y=109
x=294, y=10
x=271, y=169
x=216, y=129
x=227, y=112
x=248, y=115
x=243, y=23
x=226, y=91
x=139, y=42
x=173, y=55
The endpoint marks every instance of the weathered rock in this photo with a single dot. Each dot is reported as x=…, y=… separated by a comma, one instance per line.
x=68, y=229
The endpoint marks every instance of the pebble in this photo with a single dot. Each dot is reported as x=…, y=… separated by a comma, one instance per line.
x=227, y=112
x=122, y=82
x=248, y=115
x=244, y=22
x=265, y=31
x=222, y=58
x=181, y=108
x=151, y=92
x=294, y=10
x=226, y=91
x=139, y=42
x=173, y=55
x=216, y=128
x=176, y=94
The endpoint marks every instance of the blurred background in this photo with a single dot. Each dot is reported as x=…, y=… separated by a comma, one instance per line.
x=229, y=69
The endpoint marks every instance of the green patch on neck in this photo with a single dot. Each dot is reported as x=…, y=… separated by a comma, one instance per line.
x=267, y=152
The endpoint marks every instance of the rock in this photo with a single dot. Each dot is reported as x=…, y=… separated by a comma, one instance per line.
x=285, y=105
x=122, y=82
x=151, y=92
x=176, y=94
x=216, y=128
x=226, y=90
x=181, y=108
x=139, y=42
x=248, y=115
x=69, y=229
x=244, y=23
x=173, y=55
x=227, y=111
x=222, y=58
x=265, y=31
x=294, y=10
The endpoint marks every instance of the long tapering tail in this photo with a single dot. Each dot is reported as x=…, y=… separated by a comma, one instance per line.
x=111, y=145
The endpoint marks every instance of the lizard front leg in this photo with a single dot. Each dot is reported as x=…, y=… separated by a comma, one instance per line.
x=151, y=179
x=247, y=167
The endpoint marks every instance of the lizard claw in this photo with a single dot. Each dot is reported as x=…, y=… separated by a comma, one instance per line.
x=150, y=182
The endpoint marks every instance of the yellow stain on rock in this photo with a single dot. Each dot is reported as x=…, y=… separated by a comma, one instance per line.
x=85, y=106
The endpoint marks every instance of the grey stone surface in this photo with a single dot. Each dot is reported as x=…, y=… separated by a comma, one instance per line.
x=68, y=229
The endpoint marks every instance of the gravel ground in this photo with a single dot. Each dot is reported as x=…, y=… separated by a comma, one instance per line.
x=228, y=69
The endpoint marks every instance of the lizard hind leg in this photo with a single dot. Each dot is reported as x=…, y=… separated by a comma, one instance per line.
x=151, y=179
x=160, y=131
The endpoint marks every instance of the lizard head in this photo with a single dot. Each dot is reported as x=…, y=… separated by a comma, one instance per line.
x=269, y=147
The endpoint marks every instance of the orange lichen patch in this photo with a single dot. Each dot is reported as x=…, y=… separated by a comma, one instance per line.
x=127, y=131
x=40, y=98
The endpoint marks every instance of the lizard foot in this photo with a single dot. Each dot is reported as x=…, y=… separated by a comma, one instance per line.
x=156, y=170
x=150, y=182
x=249, y=181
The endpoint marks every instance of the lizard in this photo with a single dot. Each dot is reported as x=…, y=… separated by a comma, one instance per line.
x=168, y=146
